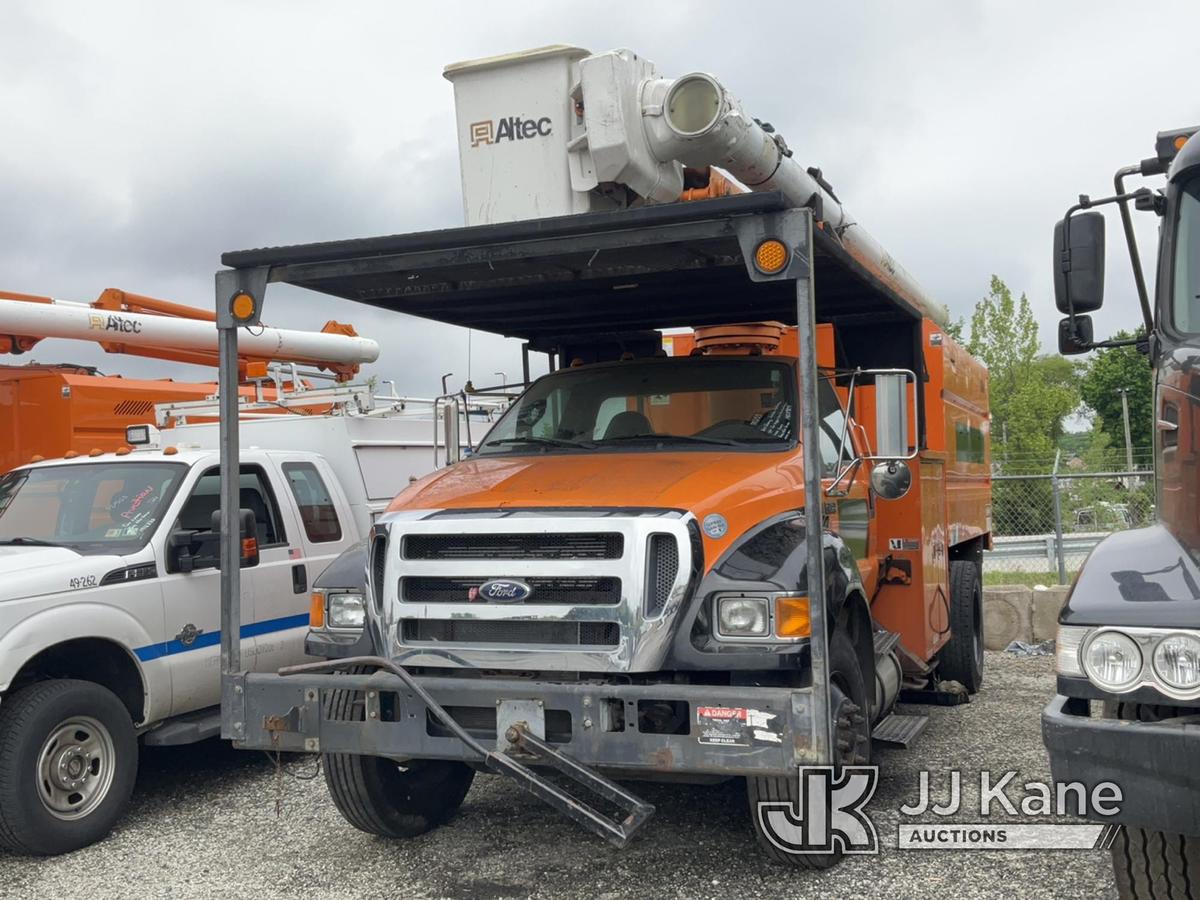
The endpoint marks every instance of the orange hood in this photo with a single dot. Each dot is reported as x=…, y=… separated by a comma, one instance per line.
x=745, y=488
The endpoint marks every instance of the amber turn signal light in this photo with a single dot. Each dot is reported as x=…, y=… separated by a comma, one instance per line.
x=316, y=611
x=792, y=617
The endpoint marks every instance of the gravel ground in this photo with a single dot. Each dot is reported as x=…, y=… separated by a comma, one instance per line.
x=203, y=823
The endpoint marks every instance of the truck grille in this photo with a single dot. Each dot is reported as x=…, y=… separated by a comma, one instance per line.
x=592, y=634
x=570, y=591
x=566, y=545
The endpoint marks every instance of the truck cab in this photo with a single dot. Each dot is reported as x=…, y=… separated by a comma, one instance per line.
x=1129, y=635
x=110, y=620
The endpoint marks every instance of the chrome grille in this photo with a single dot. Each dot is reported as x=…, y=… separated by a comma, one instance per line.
x=563, y=545
x=663, y=569
x=576, y=591
x=511, y=631
x=378, y=563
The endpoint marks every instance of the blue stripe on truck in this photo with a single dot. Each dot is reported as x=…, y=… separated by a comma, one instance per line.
x=211, y=638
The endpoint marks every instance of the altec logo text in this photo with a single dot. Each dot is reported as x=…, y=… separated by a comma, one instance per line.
x=512, y=128
x=114, y=323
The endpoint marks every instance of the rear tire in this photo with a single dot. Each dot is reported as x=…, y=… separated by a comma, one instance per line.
x=852, y=746
x=1153, y=864
x=68, y=762
x=389, y=798
x=961, y=659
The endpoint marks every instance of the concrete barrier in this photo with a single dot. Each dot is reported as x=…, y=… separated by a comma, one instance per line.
x=1007, y=615
x=1047, y=604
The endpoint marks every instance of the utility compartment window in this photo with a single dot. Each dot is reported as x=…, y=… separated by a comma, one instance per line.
x=316, y=506
x=1187, y=260
x=91, y=508
x=701, y=403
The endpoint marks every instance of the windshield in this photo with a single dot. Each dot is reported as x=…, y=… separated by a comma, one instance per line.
x=93, y=508
x=681, y=403
x=1187, y=260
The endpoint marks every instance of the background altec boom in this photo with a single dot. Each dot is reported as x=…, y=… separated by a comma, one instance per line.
x=650, y=519
x=1129, y=634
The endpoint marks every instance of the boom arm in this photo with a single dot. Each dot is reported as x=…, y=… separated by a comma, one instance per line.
x=159, y=329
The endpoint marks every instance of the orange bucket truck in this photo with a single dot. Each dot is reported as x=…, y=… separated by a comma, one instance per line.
x=726, y=552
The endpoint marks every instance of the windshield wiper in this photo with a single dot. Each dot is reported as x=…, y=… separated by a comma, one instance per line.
x=689, y=438
x=27, y=542
x=539, y=441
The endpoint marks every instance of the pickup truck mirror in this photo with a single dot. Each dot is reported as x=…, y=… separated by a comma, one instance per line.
x=1079, y=268
x=891, y=415
x=247, y=532
x=1075, y=337
x=179, y=552
x=450, y=431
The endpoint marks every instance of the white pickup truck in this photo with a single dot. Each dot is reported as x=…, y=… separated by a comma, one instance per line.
x=109, y=597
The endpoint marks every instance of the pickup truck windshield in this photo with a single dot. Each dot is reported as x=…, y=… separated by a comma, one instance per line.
x=655, y=404
x=1187, y=260
x=92, y=508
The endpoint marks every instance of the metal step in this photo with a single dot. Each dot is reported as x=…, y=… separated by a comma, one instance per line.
x=186, y=729
x=885, y=641
x=899, y=730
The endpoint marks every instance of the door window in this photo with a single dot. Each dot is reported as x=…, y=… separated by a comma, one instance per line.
x=255, y=495
x=316, y=506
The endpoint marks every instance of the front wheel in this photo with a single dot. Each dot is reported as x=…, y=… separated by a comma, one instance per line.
x=1153, y=864
x=68, y=761
x=851, y=735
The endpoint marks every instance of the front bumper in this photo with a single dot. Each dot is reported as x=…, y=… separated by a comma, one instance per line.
x=594, y=723
x=1153, y=763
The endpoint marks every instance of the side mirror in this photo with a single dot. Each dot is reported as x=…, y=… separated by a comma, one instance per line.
x=450, y=431
x=1076, y=340
x=1079, y=268
x=891, y=479
x=247, y=532
x=891, y=415
x=179, y=552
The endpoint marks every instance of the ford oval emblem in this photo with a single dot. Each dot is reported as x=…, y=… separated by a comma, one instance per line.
x=504, y=590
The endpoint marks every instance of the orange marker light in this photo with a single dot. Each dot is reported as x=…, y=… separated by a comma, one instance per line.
x=70, y=454
x=316, y=611
x=242, y=306
x=770, y=256
x=96, y=451
x=1180, y=141
x=256, y=370
x=792, y=617
x=170, y=451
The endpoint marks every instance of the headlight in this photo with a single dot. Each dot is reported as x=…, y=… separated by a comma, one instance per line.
x=1112, y=660
x=742, y=616
x=346, y=611
x=1177, y=661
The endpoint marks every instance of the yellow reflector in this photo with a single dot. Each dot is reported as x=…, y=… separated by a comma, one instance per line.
x=316, y=611
x=792, y=618
x=256, y=370
x=770, y=257
x=242, y=306
x=1180, y=141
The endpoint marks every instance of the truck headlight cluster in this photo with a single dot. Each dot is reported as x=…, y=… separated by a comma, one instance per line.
x=346, y=611
x=775, y=616
x=1119, y=660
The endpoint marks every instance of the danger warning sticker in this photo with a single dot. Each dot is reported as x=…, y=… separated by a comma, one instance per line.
x=736, y=726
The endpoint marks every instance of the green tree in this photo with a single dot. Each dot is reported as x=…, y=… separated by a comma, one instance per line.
x=955, y=330
x=1105, y=375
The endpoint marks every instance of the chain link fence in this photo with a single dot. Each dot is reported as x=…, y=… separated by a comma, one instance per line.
x=1047, y=515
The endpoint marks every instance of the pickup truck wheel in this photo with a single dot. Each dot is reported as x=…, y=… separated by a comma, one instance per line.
x=389, y=798
x=961, y=659
x=68, y=761
x=852, y=747
x=1153, y=864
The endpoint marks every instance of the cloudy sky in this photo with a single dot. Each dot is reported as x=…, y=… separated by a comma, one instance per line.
x=142, y=139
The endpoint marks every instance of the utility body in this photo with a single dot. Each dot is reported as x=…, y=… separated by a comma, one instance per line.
x=1129, y=634
x=619, y=580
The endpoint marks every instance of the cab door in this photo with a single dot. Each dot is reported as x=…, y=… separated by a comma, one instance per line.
x=321, y=528
x=192, y=602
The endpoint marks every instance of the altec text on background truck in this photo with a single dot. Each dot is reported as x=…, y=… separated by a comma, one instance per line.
x=1129, y=634
x=620, y=580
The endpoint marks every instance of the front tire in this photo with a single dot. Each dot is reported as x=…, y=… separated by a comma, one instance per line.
x=852, y=747
x=389, y=798
x=68, y=762
x=961, y=659
x=1153, y=864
